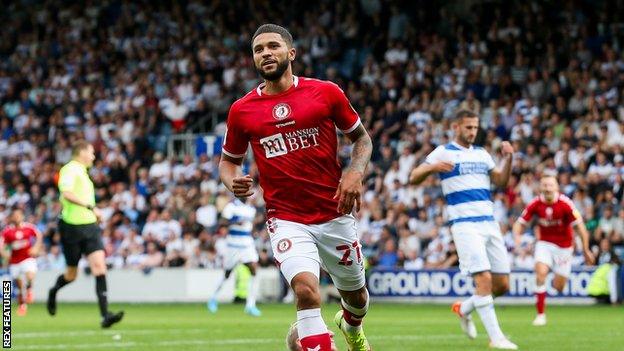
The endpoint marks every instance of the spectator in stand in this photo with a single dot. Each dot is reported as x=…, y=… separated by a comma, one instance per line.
x=137, y=83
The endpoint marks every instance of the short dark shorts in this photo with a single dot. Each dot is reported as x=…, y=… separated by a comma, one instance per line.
x=79, y=239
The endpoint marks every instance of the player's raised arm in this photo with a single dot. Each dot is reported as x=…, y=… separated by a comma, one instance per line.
x=420, y=173
x=434, y=163
x=500, y=175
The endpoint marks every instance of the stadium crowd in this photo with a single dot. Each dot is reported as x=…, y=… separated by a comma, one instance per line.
x=121, y=74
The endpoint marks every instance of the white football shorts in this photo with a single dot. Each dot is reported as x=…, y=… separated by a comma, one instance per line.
x=480, y=247
x=240, y=249
x=559, y=259
x=27, y=265
x=333, y=245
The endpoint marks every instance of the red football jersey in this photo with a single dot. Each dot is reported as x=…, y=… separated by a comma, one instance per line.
x=21, y=240
x=555, y=220
x=294, y=143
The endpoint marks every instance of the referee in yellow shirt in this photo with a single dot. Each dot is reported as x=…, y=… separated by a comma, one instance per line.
x=80, y=233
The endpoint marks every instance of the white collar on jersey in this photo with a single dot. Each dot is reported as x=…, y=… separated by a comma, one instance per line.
x=461, y=147
x=262, y=85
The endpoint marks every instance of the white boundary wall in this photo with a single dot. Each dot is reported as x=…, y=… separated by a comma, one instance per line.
x=197, y=285
x=160, y=285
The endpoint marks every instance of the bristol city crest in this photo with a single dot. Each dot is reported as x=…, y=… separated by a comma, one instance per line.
x=549, y=212
x=284, y=245
x=281, y=111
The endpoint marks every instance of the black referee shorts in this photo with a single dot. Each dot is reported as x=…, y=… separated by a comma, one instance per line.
x=79, y=239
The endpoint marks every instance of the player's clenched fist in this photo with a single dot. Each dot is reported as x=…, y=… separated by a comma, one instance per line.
x=506, y=148
x=349, y=192
x=241, y=186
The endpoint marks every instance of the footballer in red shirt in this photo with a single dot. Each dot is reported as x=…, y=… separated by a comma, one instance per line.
x=556, y=215
x=290, y=123
x=24, y=242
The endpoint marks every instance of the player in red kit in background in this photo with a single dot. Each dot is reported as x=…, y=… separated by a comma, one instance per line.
x=290, y=123
x=24, y=242
x=555, y=240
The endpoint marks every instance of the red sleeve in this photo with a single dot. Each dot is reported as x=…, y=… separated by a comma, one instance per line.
x=528, y=212
x=34, y=231
x=3, y=235
x=235, y=140
x=344, y=115
x=573, y=216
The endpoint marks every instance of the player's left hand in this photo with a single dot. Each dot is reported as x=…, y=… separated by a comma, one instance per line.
x=349, y=192
x=506, y=148
x=33, y=251
x=589, y=257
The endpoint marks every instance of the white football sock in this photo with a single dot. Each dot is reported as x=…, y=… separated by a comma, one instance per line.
x=310, y=322
x=485, y=307
x=220, y=284
x=467, y=306
x=251, y=292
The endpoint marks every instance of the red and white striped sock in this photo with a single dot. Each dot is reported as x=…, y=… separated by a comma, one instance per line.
x=354, y=315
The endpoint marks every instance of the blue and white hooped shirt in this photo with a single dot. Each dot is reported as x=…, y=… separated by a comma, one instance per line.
x=240, y=217
x=467, y=187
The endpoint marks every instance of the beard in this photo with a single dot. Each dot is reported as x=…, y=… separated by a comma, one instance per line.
x=466, y=140
x=275, y=75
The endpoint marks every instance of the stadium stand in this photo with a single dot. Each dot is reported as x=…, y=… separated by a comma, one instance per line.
x=127, y=76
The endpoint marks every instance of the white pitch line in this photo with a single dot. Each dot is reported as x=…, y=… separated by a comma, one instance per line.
x=136, y=344
x=417, y=337
x=77, y=346
x=108, y=332
x=33, y=335
x=208, y=342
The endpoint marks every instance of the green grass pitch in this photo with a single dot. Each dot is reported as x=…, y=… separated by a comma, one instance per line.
x=389, y=327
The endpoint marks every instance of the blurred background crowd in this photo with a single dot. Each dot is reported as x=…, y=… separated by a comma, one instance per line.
x=128, y=75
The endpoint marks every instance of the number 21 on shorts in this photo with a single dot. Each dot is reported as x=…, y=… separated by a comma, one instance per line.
x=345, y=260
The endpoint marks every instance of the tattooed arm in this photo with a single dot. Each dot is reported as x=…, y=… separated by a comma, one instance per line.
x=349, y=192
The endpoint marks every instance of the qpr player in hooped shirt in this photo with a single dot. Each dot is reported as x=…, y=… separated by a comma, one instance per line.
x=466, y=172
x=290, y=123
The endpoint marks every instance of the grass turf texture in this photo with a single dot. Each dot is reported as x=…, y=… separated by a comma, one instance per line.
x=389, y=327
